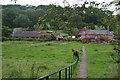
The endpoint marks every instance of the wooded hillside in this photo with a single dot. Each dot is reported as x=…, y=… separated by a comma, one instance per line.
x=70, y=19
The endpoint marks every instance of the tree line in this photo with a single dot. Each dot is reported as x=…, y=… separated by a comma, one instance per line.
x=70, y=19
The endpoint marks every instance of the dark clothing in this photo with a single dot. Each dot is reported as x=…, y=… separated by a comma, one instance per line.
x=75, y=53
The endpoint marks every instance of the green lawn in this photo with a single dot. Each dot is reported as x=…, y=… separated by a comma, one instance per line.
x=100, y=62
x=22, y=59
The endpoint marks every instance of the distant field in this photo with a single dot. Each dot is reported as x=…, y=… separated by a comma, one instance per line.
x=100, y=62
x=22, y=59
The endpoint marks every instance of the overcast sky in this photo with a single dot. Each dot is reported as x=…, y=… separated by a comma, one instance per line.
x=46, y=2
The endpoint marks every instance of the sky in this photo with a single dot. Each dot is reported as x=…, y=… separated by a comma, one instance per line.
x=47, y=2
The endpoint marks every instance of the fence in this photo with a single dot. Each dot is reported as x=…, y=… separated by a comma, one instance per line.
x=68, y=72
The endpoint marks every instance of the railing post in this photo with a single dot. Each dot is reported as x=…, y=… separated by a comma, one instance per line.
x=59, y=75
x=69, y=73
x=47, y=78
x=66, y=74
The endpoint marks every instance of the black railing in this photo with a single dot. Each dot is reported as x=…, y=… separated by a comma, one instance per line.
x=68, y=72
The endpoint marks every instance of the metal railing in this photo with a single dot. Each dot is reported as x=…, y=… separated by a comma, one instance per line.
x=68, y=72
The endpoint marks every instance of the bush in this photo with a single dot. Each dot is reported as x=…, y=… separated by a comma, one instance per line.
x=46, y=37
x=5, y=39
x=42, y=38
x=6, y=31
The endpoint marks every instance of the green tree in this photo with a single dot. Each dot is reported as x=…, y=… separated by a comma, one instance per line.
x=22, y=21
x=6, y=31
x=10, y=12
x=34, y=15
x=8, y=15
x=99, y=27
x=38, y=27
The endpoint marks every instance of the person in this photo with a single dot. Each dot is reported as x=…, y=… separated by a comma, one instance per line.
x=75, y=53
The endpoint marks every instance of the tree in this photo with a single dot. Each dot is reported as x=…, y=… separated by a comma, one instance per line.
x=38, y=27
x=116, y=20
x=115, y=23
x=6, y=31
x=34, y=15
x=22, y=21
x=10, y=12
x=8, y=16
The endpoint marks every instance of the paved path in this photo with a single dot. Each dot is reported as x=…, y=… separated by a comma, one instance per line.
x=83, y=66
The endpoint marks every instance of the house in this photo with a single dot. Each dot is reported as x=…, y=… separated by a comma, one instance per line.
x=99, y=36
x=82, y=30
x=21, y=33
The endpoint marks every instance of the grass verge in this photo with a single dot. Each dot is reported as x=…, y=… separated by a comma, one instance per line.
x=100, y=62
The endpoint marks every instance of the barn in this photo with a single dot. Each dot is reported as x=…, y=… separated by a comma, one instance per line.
x=21, y=33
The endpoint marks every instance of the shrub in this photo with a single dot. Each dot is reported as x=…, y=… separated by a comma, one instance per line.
x=5, y=39
x=42, y=38
x=6, y=31
x=46, y=37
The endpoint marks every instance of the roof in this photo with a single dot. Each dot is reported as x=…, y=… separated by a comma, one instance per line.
x=50, y=31
x=83, y=29
x=99, y=32
x=57, y=33
x=28, y=33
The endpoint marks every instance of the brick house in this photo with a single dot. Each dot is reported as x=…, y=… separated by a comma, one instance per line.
x=99, y=36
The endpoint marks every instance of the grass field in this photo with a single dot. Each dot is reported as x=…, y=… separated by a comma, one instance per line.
x=25, y=59
x=100, y=62
x=28, y=59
